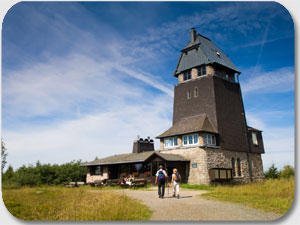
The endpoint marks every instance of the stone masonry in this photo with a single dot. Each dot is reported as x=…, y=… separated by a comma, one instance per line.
x=209, y=158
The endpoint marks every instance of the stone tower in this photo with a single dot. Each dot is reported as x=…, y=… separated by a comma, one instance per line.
x=209, y=124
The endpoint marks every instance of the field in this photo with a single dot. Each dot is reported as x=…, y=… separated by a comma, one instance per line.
x=108, y=203
x=273, y=195
x=80, y=204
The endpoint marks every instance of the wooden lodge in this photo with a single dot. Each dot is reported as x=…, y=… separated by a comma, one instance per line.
x=143, y=162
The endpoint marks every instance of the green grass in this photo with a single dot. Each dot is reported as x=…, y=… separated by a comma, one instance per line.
x=197, y=187
x=272, y=195
x=72, y=204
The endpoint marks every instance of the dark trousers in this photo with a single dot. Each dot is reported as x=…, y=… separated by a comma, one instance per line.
x=161, y=188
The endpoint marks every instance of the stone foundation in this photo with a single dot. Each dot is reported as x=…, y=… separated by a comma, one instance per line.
x=209, y=158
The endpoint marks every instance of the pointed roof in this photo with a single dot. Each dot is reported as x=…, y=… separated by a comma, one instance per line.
x=190, y=125
x=199, y=51
x=133, y=158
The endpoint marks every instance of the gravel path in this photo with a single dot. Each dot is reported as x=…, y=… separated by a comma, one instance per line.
x=192, y=207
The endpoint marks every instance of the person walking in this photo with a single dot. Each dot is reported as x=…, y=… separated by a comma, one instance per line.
x=176, y=180
x=160, y=179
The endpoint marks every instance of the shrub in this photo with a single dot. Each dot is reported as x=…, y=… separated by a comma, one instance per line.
x=46, y=174
x=272, y=172
x=287, y=172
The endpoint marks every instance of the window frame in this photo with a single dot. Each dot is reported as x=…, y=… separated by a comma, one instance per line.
x=189, y=94
x=189, y=139
x=187, y=75
x=196, y=92
x=98, y=170
x=254, y=138
x=201, y=70
x=170, y=140
x=210, y=139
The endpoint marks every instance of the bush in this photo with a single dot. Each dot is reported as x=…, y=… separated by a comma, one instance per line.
x=287, y=172
x=272, y=172
x=46, y=174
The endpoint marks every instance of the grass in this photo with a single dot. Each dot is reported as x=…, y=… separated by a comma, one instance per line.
x=272, y=195
x=197, y=186
x=72, y=204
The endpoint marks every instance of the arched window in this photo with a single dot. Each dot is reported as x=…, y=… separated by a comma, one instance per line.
x=233, y=167
x=239, y=167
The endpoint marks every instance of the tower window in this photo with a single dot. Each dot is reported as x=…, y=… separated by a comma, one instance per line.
x=201, y=70
x=254, y=138
x=187, y=75
x=196, y=92
x=189, y=95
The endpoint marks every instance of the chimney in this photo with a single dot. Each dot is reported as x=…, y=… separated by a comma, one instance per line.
x=193, y=35
x=143, y=145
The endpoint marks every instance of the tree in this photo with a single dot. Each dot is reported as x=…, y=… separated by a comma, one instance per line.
x=272, y=172
x=287, y=172
x=3, y=156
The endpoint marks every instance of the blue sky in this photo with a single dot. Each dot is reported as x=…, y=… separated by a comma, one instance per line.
x=81, y=80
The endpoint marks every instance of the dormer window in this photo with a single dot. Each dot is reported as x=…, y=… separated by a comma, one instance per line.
x=191, y=139
x=254, y=138
x=209, y=139
x=201, y=70
x=187, y=75
x=170, y=142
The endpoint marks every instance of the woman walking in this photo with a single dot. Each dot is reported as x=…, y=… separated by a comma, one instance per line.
x=176, y=180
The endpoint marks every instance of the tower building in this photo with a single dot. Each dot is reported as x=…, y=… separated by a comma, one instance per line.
x=209, y=124
x=209, y=140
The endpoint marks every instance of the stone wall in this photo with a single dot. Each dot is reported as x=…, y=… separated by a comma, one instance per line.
x=196, y=155
x=257, y=167
x=92, y=178
x=209, y=158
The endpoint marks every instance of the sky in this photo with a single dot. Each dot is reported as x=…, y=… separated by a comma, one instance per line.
x=81, y=80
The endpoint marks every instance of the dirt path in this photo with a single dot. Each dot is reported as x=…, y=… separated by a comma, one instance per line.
x=192, y=207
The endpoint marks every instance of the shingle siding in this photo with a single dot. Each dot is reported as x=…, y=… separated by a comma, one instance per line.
x=230, y=119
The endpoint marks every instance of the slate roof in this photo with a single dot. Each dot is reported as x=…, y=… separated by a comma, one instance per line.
x=134, y=158
x=202, y=51
x=190, y=125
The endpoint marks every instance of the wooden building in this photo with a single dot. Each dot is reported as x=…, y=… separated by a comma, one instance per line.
x=143, y=162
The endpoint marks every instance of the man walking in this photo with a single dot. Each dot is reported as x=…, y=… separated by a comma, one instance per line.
x=161, y=176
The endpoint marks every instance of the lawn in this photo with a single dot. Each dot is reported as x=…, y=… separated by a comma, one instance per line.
x=73, y=204
x=272, y=195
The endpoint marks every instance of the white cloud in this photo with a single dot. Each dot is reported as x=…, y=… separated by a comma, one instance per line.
x=100, y=134
x=277, y=81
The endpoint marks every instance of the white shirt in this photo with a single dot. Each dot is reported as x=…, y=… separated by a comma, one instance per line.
x=163, y=172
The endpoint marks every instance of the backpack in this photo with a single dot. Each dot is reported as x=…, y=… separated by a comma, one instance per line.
x=177, y=177
x=161, y=176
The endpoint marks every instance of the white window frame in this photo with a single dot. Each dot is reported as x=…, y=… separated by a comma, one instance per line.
x=189, y=94
x=169, y=142
x=254, y=138
x=189, y=139
x=210, y=139
x=196, y=92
